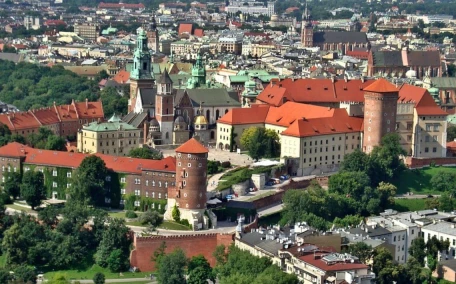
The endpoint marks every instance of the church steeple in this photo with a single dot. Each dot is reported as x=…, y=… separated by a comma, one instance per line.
x=141, y=68
x=306, y=29
x=199, y=71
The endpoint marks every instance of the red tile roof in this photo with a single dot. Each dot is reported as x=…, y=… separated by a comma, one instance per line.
x=288, y=113
x=122, y=77
x=339, y=122
x=315, y=260
x=73, y=160
x=46, y=116
x=192, y=146
x=381, y=86
x=19, y=120
x=199, y=33
x=424, y=103
x=185, y=28
x=238, y=116
x=89, y=109
x=54, y=23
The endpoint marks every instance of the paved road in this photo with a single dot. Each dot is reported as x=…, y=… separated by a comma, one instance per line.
x=271, y=209
x=126, y=280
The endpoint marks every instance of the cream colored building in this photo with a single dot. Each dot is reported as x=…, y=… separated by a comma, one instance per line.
x=114, y=137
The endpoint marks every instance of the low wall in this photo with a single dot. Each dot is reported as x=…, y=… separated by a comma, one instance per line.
x=192, y=245
x=240, y=188
x=414, y=163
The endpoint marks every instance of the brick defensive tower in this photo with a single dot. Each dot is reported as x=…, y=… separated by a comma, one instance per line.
x=380, y=107
x=189, y=193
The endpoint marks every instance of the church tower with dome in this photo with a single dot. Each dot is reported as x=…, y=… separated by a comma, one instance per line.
x=201, y=128
x=198, y=74
x=250, y=93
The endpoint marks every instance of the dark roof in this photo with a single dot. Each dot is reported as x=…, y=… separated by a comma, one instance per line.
x=450, y=263
x=210, y=97
x=16, y=58
x=339, y=37
x=148, y=96
x=387, y=58
x=423, y=58
x=164, y=78
x=372, y=232
x=135, y=119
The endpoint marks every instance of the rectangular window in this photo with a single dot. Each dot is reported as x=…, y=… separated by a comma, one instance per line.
x=426, y=150
x=122, y=202
x=137, y=203
x=54, y=173
x=68, y=185
x=426, y=139
x=54, y=184
x=137, y=192
x=68, y=174
x=123, y=191
x=436, y=127
x=434, y=149
x=409, y=125
x=108, y=178
x=122, y=179
x=428, y=127
x=434, y=138
x=409, y=138
x=159, y=195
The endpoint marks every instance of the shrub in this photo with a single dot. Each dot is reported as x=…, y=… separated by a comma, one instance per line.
x=131, y=215
x=176, y=213
x=150, y=217
x=226, y=164
x=213, y=167
x=184, y=222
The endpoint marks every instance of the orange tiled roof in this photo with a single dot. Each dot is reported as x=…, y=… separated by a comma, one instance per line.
x=381, y=86
x=89, y=109
x=339, y=122
x=122, y=77
x=73, y=160
x=46, y=116
x=192, y=146
x=199, y=32
x=289, y=112
x=237, y=116
x=185, y=28
x=19, y=120
x=424, y=103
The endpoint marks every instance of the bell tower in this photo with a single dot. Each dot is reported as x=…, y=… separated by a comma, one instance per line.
x=153, y=41
x=306, y=29
x=141, y=75
x=164, y=106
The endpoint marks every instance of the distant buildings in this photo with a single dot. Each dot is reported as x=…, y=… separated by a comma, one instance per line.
x=88, y=31
x=252, y=7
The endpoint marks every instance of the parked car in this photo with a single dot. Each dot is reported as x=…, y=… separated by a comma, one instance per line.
x=284, y=177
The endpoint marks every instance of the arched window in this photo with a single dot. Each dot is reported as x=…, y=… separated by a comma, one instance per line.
x=208, y=115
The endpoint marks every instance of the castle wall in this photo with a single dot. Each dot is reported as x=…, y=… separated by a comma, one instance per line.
x=192, y=245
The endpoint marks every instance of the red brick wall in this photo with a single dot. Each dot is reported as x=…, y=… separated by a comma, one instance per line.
x=192, y=245
x=425, y=162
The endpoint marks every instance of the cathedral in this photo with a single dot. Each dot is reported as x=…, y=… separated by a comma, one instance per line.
x=342, y=41
x=171, y=114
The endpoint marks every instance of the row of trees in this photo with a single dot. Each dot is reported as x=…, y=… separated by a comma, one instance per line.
x=43, y=139
x=233, y=266
x=361, y=188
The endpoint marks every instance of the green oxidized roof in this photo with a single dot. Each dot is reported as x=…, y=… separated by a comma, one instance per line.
x=113, y=124
x=443, y=82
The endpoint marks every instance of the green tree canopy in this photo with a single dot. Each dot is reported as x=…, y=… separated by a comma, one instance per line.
x=361, y=250
x=99, y=278
x=12, y=184
x=171, y=267
x=32, y=188
x=145, y=153
x=115, y=237
x=417, y=250
x=260, y=142
x=88, y=184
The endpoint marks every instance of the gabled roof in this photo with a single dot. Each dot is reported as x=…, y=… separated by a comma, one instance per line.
x=46, y=116
x=73, y=160
x=192, y=146
x=185, y=28
x=339, y=37
x=164, y=78
x=238, y=116
x=424, y=103
x=381, y=86
x=122, y=77
x=89, y=109
x=289, y=112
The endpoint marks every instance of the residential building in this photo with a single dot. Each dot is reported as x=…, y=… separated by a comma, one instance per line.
x=113, y=137
x=87, y=30
x=63, y=120
x=443, y=90
x=140, y=184
x=446, y=269
x=443, y=231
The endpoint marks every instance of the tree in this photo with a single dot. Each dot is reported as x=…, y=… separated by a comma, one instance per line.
x=99, y=278
x=159, y=252
x=357, y=161
x=386, y=157
x=150, y=217
x=117, y=261
x=176, y=213
x=349, y=220
x=446, y=202
x=444, y=181
x=12, y=184
x=5, y=135
x=101, y=75
x=417, y=250
x=213, y=167
x=115, y=237
x=171, y=267
x=386, y=192
x=414, y=271
x=89, y=180
x=451, y=130
x=260, y=142
x=385, y=269
x=25, y=274
x=220, y=255
x=199, y=270
x=145, y=153
x=48, y=215
x=361, y=250
x=55, y=143
x=32, y=188
x=113, y=102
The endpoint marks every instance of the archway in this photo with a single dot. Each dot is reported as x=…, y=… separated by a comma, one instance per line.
x=217, y=114
x=227, y=146
x=220, y=146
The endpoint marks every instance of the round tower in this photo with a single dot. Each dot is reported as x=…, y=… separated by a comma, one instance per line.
x=191, y=187
x=380, y=107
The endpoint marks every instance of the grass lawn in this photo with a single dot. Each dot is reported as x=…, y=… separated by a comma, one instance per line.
x=2, y=260
x=419, y=181
x=261, y=195
x=20, y=208
x=90, y=272
x=169, y=225
x=413, y=204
